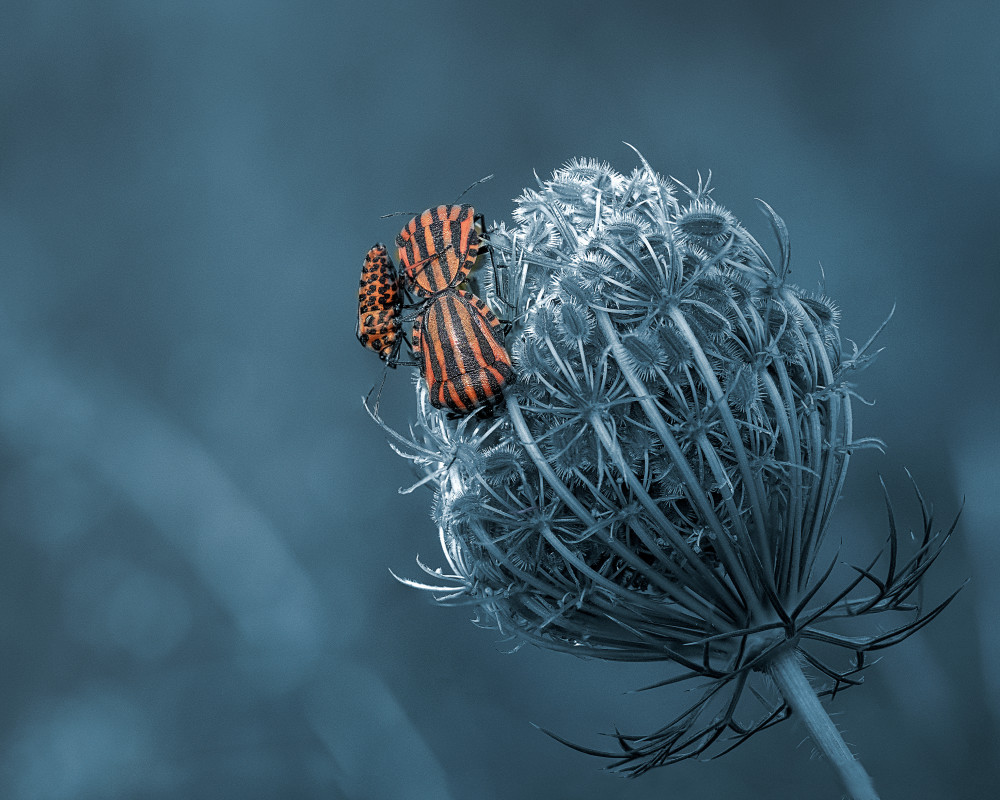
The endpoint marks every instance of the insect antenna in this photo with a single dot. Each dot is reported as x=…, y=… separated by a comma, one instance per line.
x=473, y=185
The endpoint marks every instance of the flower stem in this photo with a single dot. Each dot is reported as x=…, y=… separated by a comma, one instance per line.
x=786, y=672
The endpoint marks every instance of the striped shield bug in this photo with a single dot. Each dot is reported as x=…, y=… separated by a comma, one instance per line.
x=438, y=248
x=459, y=348
x=379, y=302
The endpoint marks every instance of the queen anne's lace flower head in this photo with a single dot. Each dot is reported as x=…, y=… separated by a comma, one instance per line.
x=661, y=478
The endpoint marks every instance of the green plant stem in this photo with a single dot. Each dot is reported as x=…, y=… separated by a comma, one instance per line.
x=786, y=672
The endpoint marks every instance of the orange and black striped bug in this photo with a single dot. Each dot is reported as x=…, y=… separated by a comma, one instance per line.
x=438, y=248
x=459, y=348
x=379, y=303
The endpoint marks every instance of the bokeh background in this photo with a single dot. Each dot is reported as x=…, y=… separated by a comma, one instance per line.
x=198, y=518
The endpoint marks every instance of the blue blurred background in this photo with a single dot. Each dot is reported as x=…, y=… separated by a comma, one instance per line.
x=197, y=516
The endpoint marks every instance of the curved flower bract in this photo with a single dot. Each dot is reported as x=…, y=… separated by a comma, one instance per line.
x=660, y=481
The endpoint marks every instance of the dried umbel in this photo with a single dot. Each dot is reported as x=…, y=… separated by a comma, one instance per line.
x=659, y=484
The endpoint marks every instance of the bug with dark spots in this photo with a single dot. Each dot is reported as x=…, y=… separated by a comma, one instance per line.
x=379, y=303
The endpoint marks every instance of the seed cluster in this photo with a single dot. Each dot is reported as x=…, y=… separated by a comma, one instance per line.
x=680, y=412
x=662, y=476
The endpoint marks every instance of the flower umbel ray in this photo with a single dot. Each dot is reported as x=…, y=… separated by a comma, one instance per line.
x=659, y=484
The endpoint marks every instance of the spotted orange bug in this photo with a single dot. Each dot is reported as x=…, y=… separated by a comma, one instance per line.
x=379, y=303
x=459, y=348
x=438, y=248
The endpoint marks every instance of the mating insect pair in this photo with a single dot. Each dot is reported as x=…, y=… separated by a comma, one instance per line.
x=456, y=339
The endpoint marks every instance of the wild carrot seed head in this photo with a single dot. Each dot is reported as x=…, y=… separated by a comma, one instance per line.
x=661, y=478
